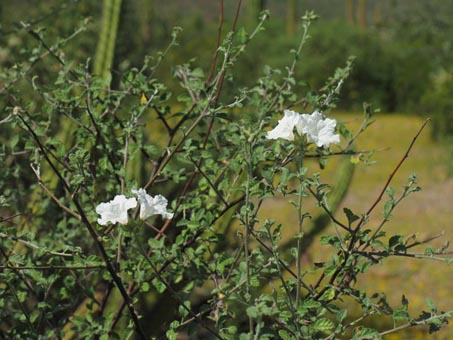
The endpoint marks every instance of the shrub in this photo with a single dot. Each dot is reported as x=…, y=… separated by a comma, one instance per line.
x=86, y=253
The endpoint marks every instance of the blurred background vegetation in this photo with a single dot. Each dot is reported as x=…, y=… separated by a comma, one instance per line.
x=403, y=48
x=403, y=65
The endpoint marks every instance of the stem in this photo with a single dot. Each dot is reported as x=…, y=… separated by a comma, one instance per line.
x=34, y=246
x=22, y=307
x=282, y=279
x=216, y=53
x=406, y=155
x=52, y=196
x=125, y=159
x=300, y=220
x=51, y=267
x=291, y=69
x=414, y=323
x=247, y=221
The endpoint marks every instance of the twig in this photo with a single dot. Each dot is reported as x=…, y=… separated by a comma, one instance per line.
x=382, y=254
x=21, y=276
x=406, y=155
x=98, y=134
x=132, y=291
x=426, y=240
x=125, y=159
x=34, y=246
x=414, y=323
x=50, y=267
x=216, y=53
x=52, y=196
x=277, y=260
x=15, y=153
x=5, y=219
x=219, y=194
x=328, y=212
x=35, y=35
x=363, y=126
x=35, y=61
x=300, y=220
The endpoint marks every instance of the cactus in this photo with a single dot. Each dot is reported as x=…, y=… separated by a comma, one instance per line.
x=103, y=60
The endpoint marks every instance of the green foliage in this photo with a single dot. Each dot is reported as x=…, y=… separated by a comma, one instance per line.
x=438, y=103
x=215, y=268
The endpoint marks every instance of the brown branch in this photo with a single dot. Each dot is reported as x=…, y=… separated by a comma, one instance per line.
x=55, y=199
x=21, y=276
x=50, y=267
x=34, y=246
x=216, y=53
x=406, y=155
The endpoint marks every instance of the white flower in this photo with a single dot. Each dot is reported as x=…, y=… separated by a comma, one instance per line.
x=285, y=126
x=150, y=206
x=318, y=130
x=116, y=210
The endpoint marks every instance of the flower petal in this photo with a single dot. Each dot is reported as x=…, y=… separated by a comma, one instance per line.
x=150, y=206
x=317, y=129
x=115, y=211
x=285, y=126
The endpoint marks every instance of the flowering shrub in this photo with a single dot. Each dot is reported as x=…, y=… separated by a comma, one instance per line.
x=212, y=267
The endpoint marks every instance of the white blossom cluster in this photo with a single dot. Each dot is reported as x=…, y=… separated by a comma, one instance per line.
x=315, y=127
x=115, y=211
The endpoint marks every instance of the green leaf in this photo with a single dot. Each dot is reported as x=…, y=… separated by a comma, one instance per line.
x=252, y=312
x=366, y=334
x=242, y=35
x=323, y=325
x=432, y=307
x=329, y=294
x=144, y=287
x=429, y=251
x=13, y=141
x=390, y=192
x=401, y=313
x=160, y=287
x=388, y=208
x=341, y=315
x=394, y=241
x=350, y=215
x=284, y=335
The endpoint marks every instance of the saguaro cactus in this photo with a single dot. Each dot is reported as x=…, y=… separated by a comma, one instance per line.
x=104, y=57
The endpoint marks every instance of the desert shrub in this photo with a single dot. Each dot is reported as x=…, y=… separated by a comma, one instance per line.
x=134, y=211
